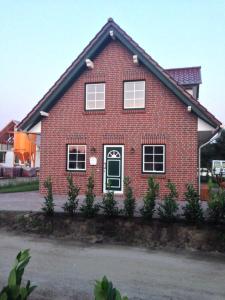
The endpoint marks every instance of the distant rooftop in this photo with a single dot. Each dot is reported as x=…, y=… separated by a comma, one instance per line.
x=186, y=76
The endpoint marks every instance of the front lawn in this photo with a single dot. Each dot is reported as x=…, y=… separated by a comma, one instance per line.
x=20, y=187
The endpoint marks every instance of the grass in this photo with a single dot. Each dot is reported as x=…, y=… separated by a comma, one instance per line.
x=20, y=187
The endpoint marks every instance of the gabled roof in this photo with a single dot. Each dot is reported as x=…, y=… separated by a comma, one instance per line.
x=186, y=76
x=98, y=43
x=7, y=131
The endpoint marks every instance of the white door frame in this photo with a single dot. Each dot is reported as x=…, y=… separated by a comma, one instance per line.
x=104, y=169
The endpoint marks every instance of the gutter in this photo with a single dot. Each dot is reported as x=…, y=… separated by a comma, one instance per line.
x=215, y=135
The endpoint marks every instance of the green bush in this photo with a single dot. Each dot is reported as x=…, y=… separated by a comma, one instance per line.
x=48, y=206
x=148, y=208
x=168, y=209
x=89, y=209
x=73, y=191
x=216, y=205
x=109, y=204
x=14, y=290
x=193, y=212
x=129, y=201
x=104, y=290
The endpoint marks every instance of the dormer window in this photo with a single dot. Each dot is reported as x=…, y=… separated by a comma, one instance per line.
x=95, y=96
x=134, y=94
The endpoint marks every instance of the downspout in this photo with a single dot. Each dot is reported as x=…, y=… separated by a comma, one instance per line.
x=217, y=131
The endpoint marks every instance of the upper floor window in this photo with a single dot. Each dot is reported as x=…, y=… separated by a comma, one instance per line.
x=76, y=157
x=134, y=94
x=153, y=159
x=95, y=96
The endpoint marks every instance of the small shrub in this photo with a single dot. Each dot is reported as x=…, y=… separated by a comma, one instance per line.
x=48, y=206
x=216, y=205
x=109, y=204
x=168, y=209
x=104, y=290
x=148, y=209
x=89, y=209
x=129, y=201
x=193, y=212
x=73, y=191
x=14, y=290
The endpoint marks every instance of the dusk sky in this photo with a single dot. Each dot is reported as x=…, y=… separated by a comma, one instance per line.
x=40, y=39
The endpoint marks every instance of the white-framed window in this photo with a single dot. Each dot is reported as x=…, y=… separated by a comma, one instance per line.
x=153, y=159
x=134, y=94
x=76, y=157
x=95, y=96
x=2, y=156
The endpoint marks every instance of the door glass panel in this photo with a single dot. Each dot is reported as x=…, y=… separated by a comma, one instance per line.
x=113, y=168
x=113, y=182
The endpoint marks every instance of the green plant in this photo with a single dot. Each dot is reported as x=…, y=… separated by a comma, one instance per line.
x=193, y=212
x=48, y=206
x=168, y=209
x=89, y=209
x=14, y=290
x=129, y=201
x=148, y=208
x=104, y=290
x=216, y=205
x=109, y=204
x=73, y=191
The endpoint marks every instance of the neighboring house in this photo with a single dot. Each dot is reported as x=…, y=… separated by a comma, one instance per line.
x=7, y=157
x=115, y=112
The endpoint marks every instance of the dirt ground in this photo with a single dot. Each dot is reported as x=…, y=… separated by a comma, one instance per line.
x=67, y=270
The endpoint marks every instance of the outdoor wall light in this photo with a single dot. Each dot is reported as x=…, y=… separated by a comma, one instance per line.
x=93, y=149
x=132, y=150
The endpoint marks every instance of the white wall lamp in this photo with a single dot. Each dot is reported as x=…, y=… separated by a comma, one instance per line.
x=135, y=59
x=44, y=113
x=89, y=63
x=189, y=108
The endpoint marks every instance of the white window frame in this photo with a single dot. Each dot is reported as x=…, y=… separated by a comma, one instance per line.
x=135, y=99
x=143, y=158
x=94, y=94
x=68, y=158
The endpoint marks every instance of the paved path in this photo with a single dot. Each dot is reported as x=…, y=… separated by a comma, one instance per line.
x=65, y=270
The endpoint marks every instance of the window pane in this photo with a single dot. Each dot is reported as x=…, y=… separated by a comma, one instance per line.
x=100, y=104
x=140, y=85
x=158, y=167
x=72, y=165
x=100, y=87
x=90, y=87
x=148, y=149
x=81, y=157
x=129, y=104
x=129, y=86
x=81, y=149
x=158, y=150
x=90, y=104
x=100, y=96
x=139, y=103
x=90, y=96
x=158, y=158
x=72, y=149
x=81, y=165
x=139, y=95
x=148, y=158
x=129, y=95
x=148, y=167
x=72, y=157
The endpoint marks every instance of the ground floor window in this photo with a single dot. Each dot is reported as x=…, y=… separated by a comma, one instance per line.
x=76, y=157
x=153, y=159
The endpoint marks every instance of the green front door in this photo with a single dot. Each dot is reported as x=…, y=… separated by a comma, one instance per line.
x=113, y=164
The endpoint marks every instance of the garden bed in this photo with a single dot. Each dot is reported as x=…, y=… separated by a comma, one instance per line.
x=118, y=230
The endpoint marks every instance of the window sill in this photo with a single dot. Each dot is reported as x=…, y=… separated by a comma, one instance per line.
x=94, y=112
x=134, y=111
x=76, y=173
x=156, y=175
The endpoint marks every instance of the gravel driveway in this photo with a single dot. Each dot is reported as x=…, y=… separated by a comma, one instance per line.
x=65, y=270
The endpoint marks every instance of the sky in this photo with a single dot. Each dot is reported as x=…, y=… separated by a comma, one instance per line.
x=40, y=39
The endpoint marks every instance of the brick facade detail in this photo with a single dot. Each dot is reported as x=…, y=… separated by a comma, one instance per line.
x=165, y=120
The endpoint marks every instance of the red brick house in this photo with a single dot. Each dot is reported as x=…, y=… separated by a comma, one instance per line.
x=116, y=112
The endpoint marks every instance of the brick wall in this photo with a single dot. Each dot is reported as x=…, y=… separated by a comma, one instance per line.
x=165, y=120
